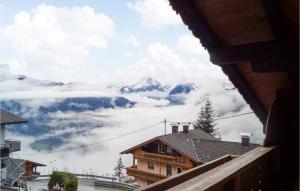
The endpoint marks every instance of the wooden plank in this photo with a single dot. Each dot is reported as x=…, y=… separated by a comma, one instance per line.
x=223, y=173
x=164, y=161
x=276, y=19
x=131, y=171
x=241, y=53
x=158, y=155
x=267, y=56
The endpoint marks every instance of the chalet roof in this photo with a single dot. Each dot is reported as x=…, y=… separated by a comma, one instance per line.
x=208, y=150
x=7, y=118
x=183, y=142
x=254, y=42
x=29, y=162
x=198, y=145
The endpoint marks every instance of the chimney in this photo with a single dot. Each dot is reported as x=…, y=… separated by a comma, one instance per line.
x=175, y=127
x=245, y=139
x=186, y=127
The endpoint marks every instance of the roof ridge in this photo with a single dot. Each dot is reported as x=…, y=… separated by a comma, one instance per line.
x=195, y=151
x=225, y=141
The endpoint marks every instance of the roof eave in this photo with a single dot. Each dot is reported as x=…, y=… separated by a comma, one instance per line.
x=13, y=123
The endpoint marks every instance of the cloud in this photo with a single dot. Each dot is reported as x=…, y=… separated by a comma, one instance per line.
x=190, y=45
x=165, y=65
x=119, y=122
x=56, y=42
x=132, y=40
x=155, y=14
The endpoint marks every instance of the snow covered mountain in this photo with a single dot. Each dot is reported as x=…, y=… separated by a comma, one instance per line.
x=182, y=89
x=144, y=85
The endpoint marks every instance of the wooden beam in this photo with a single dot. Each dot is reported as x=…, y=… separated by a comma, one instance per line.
x=196, y=22
x=276, y=19
x=268, y=56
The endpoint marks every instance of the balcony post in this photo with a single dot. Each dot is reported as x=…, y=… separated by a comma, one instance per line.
x=2, y=134
x=159, y=165
x=133, y=162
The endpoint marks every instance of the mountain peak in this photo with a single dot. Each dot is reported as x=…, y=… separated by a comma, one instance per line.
x=184, y=88
x=144, y=85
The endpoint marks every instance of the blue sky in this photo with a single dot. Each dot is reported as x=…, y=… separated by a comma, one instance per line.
x=50, y=40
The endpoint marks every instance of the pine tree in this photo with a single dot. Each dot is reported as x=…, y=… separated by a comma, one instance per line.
x=205, y=120
x=119, y=169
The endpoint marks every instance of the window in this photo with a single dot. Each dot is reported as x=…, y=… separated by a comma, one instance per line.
x=168, y=170
x=161, y=148
x=178, y=170
x=150, y=165
x=169, y=150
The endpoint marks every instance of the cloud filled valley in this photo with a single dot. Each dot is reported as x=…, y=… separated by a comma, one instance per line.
x=79, y=116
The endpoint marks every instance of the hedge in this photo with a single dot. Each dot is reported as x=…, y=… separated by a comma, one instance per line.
x=66, y=180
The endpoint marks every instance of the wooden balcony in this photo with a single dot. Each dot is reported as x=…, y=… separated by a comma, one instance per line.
x=162, y=159
x=145, y=175
x=255, y=170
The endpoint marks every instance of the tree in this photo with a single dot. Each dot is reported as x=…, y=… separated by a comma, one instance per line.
x=119, y=169
x=205, y=120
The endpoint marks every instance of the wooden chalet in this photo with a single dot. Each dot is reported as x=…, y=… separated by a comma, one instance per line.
x=256, y=43
x=174, y=153
x=30, y=167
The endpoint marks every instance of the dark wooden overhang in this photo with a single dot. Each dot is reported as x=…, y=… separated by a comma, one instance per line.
x=7, y=118
x=255, y=42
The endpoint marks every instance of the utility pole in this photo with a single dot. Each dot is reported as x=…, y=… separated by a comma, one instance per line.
x=165, y=122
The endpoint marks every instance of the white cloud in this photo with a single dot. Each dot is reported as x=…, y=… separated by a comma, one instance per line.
x=133, y=119
x=165, y=65
x=190, y=45
x=155, y=14
x=132, y=40
x=55, y=42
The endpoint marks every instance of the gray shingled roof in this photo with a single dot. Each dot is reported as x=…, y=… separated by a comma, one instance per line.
x=200, y=146
x=183, y=142
x=7, y=118
x=208, y=150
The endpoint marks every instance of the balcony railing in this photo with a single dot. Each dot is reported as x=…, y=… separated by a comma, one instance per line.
x=145, y=175
x=162, y=158
x=251, y=171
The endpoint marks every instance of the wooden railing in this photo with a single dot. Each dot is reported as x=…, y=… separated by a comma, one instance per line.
x=254, y=170
x=145, y=175
x=162, y=158
x=187, y=175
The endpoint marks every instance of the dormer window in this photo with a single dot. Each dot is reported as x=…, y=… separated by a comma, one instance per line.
x=161, y=148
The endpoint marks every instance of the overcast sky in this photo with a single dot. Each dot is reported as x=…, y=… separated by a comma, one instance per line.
x=76, y=40
x=111, y=42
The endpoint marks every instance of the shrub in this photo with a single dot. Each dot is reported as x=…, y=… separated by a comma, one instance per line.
x=66, y=180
